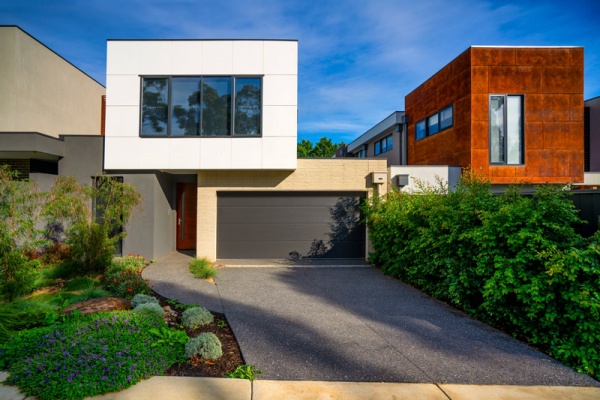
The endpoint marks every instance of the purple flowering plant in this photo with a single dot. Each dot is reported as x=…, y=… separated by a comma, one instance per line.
x=87, y=356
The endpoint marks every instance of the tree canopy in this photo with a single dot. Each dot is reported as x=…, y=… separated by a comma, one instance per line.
x=324, y=148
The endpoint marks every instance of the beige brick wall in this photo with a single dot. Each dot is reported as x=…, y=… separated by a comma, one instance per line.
x=310, y=175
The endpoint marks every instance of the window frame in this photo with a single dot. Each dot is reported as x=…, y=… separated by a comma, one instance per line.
x=438, y=114
x=232, y=111
x=505, y=124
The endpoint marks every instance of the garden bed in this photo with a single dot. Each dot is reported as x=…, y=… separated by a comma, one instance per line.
x=229, y=361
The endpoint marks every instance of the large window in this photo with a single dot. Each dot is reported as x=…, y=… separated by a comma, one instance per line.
x=435, y=123
x=383, y=145
x=201, y=106
x=506, y=129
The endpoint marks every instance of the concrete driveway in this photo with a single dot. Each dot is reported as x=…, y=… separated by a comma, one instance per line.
x=355, y=324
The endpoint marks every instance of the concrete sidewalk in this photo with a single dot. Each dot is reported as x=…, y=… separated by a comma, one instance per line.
x=182, y=388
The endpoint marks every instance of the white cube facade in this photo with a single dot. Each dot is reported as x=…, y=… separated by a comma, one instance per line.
x=130, y=63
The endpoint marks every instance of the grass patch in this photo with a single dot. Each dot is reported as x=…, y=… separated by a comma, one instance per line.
x=203, y=268
x=80, y=283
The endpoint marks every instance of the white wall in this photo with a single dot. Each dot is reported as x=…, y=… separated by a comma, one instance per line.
x=276, y=61
x=428, y=174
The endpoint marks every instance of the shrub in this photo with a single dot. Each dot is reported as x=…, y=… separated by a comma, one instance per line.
x=142, y=299
x=122, y=278
x=196, y=316
x=87, y=356
x=17, y=275
x=202, y=268
x=206, y=345
x=135, y=263
x=513, y=261
x=153, y=308
x=91, y=248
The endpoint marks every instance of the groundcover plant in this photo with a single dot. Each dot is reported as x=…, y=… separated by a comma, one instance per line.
x=87, y=355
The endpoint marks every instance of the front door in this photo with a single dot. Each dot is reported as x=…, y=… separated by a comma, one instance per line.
x=187, y=199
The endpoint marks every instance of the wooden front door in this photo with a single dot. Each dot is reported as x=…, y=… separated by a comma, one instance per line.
x=187, y=203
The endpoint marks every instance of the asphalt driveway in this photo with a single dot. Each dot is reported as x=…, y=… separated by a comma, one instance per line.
x=355, y=324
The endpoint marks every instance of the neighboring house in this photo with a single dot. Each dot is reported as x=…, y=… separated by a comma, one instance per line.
x=219, y=118
x=386, y=140
x=592, y=141
x=42, y=92
x=513, y=114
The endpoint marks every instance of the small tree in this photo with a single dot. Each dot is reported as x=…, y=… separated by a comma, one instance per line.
x=96, y=216
x=20, y=209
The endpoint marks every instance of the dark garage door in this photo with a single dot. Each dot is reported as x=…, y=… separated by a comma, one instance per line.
x=288, y=224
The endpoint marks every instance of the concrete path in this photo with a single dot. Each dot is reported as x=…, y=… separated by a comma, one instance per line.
x=356, y=325
x=185, y=388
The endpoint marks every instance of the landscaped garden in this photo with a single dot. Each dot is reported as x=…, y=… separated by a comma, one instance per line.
x=513, y=261
x=74, y=320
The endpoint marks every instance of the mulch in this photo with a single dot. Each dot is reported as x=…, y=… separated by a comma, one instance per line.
x=229, y=361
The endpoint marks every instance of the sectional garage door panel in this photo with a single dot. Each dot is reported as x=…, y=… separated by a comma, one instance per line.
x=278, y=224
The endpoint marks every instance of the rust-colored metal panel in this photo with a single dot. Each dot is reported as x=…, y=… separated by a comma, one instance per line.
x=563, y=79
x=492, y=56
x=534, y=135
x=534, y=107
x=543, y=56
x=479, y=80
x=557, y=107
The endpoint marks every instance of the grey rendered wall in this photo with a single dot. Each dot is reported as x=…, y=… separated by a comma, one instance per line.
x=392, y=156
x=149, y=231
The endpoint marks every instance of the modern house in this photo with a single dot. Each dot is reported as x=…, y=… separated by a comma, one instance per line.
x=592, y=141
x=514, y=114
x=207, y=132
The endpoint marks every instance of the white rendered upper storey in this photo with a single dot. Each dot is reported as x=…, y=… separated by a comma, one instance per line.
x=184, y=105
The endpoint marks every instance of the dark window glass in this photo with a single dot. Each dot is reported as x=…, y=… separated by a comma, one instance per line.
x=247, y=106
x=216, y=106
x=432, y=124
x=390, y=142
x=446, y=118
x=185, y=107
x=377, y=148
x=420, y=130
x=155, y=99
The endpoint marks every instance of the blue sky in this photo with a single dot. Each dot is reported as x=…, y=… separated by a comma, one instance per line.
x=357, y=59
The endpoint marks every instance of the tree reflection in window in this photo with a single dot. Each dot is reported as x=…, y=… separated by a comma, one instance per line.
x=185, y=100
x=155, y=99
x=216, y=106
x=247, y=106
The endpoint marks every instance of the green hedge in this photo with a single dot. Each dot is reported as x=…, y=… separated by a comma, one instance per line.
x=510, y=260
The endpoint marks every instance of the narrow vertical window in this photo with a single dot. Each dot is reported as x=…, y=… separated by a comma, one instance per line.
x=497, y=130
x=247, y=106
x=506, y=129
x=514, y=130
x=432, y=124
x=420, y=130
x=446, y=118
x=155, y=109
x=216, y=106
x=185, y=107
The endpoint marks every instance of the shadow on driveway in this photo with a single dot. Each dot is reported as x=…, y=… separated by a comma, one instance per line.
x=355, y=324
